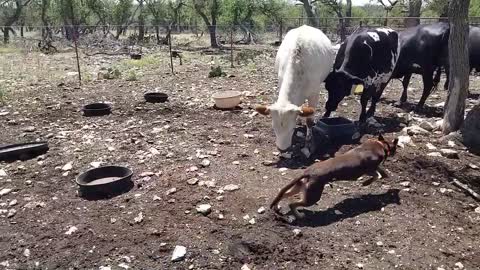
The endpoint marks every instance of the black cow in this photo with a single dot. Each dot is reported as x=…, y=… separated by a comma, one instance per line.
x=421, y=50
x=473, y=51
x=367, y=57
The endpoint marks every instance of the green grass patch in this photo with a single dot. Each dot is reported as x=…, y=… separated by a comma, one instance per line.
x=5, y=50
x=150, y=60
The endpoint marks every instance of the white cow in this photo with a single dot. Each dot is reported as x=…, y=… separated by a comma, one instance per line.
x=303, y=61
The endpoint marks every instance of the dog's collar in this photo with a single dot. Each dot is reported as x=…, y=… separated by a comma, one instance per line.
x=386, y=149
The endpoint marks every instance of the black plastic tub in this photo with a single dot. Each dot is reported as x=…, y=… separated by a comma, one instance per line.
x=156, y=97
x=105, y=182
x=96, y=109
x=336, y=130
x=136, y=56
x=22, y=151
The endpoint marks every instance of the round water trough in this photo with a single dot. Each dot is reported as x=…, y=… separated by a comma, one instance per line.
x=155, y=97
x=22, y=151
x=96, y=109
x=136, y=56
x=227, y=99
x=104, y=182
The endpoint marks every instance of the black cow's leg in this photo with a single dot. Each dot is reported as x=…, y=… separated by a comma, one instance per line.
x=405, y=83
x=427, y=77
x=366, y=95
x=447, y=73
x=375, y=98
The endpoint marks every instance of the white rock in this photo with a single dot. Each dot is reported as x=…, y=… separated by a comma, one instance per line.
x=67, y=167
x=449, y=153
x=71, y=230
x=256, y=151
x=283, y=169
x=415, y=130
x=3, y=173
x=5, y=264
x=5, y=191
x=123, y=265
x=391, y=251
x=297, y=232
x=96, y=164
x=231, y=187
x=108, y=267
x=439, y=105
x=427, y=126
x=204, y=209
x=205, y=163
x=192, y=181
x=154, y=151
x=248, y=136
x=171, y=191
x=404, y=118
x=138, y=218
x=436, y=184
x=439, y=124
x=245, y=267
x=179, y=253
x=261, y=210
x=236, y=162
x=26, y=252
x=431, y=147
x=405, y=140
x=434, y=154
x=252, y=221
x=473, y=166
x=405, y=183
x=443, y=190
x=451, y=143
x=11, y=213
x=379, y=243
x=360, y=265
x=156, y=198
x=459, y=266
x=13, y=203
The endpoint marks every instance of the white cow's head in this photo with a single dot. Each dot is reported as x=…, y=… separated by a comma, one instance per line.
x=284, y=120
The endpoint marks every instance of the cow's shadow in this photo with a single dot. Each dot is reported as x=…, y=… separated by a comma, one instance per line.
x=426, y=110
x=387, y=125
x=348, y=208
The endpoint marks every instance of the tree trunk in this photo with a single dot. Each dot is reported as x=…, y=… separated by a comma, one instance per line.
x=6, y=34
x=414, y=12
x=459, y=67
x=348, y=13
x=312, y=16
x=157, y=33
x=212, y=29
x=141, y=22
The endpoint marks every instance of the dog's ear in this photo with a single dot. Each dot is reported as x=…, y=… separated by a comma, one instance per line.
x=393, y=148
x=380, y=137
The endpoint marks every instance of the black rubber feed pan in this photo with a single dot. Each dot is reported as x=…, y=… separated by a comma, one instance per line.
x=105, y=182
x=156, y=97
x=96, y=109
x=136, y=56
x=337, y=130
x=22, y=151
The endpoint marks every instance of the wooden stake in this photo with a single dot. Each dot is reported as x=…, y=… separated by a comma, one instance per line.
x=231, y=47
x=75, y=44
x=467, y=189
x=170, y=47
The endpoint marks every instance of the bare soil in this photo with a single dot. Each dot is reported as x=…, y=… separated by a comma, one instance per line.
x=425, y=224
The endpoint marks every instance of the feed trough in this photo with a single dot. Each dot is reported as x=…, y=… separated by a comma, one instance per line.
x=96, y=109
x=337, y=130
x=22, y=151
x=106, y=181
x=227, y=99
x=135, y=56
x=155, y=97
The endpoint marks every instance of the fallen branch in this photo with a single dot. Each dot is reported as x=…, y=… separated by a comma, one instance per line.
x=470, y=191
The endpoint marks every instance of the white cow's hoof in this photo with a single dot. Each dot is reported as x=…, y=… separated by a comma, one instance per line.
x=306, y=152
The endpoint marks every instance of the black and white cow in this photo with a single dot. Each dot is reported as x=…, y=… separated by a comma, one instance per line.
x=421, y=50
x=367, y=57
x=473, y=51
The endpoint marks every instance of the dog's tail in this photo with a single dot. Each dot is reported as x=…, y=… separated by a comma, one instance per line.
x=285, y=189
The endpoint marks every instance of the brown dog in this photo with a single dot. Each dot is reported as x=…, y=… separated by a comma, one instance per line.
x=364, y=159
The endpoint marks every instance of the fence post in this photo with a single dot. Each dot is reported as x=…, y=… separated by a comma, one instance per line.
x=170, y=47
x=231, y=47
x=281, y=32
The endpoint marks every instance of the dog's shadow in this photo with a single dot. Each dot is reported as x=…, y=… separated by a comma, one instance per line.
x=349, y=208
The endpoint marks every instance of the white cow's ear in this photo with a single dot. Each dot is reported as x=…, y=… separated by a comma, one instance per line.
x=306, y=111
x=263, y=109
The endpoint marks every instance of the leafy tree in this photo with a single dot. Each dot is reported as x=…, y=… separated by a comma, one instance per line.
x=209, y=11
x=11, y=12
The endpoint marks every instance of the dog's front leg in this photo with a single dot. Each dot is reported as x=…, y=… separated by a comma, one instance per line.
x=383, y=172
x=375, y=175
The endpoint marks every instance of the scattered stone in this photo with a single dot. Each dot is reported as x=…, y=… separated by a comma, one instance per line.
x=71, y=230
x=473, y=166
x=379, y=243
x=477, y=210
x=338, y=212
x=458, y=266
x=68, y=166
x=26, y=252
x=171, y=191
x=108, y=267
x=5, y=191
x=192, y=169
x=95, y=164
x=391, y=251
x=404, y=118
x=451, y=143
x=3, y=173
x=154, y=151
x=283, y=169
x=404, y=140
x=5, y=264
x=436, y=184
x=204, y=209
x=205, y=163
x=261, y=210
x=431, y=147
x=13, y=203
x=11, y=213
x=220, y=216
x=138, y=218
x=231, y=187
x=405, y=184
x=443, y=190
x=236, y=162
x=252, y=221
x=245, y=267
x=267, y=163
x=434, y=154
x=123, y=265
x=360, y=265
x=179, y=253
x=427, y=126
x=29, y=129
x=248, y=136
x=192, y=181
x=297, y=232
x=415, y=130
x=449, y=153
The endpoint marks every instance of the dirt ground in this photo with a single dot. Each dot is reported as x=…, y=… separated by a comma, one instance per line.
x=416, y=219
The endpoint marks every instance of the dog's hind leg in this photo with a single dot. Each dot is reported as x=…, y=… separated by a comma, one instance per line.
x=311, y=195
